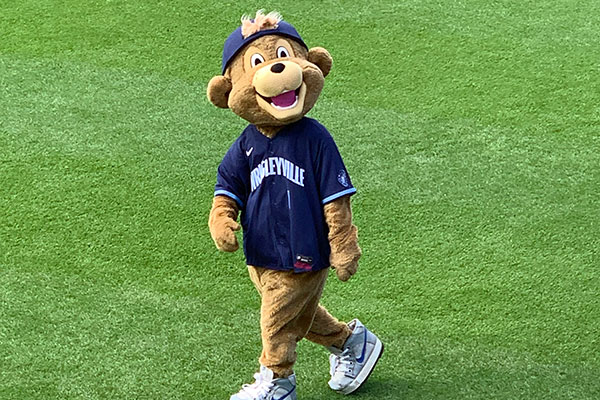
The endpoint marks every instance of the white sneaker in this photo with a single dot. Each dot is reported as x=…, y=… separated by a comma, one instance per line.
x=351, y=366
x=267, y=388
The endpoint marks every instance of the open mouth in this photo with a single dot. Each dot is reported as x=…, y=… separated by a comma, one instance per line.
x=283, y=101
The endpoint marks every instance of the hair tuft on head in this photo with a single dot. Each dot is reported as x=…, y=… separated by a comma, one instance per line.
x=260, y=23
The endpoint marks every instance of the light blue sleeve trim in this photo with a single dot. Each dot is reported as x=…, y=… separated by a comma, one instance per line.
x=229, y=194
x=338, y=195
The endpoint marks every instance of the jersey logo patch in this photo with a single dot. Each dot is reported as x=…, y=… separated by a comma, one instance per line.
x=343, y=178
x=303, y=262
x=248, y=152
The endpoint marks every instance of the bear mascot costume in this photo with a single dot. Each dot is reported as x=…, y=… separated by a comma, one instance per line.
x=286, y=177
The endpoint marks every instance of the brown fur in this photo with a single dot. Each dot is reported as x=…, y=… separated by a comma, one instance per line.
x=236, y=91
x=343, y=238
x=222, y=223
x=218, y=91
x=290, y=307
x=290, y=311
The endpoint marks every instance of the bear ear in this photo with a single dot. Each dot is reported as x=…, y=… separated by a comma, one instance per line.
x=322, y=58
x=218, y=91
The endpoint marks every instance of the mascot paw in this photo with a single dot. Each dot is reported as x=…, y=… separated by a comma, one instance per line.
x=225, y=237
x=344, y=272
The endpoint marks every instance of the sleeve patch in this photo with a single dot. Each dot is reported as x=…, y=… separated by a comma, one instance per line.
x=342, y=178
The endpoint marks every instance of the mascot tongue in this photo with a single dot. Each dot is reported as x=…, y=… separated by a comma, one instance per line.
x=285, y=99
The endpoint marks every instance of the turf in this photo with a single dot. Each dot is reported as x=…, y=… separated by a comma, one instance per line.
x=469, y=128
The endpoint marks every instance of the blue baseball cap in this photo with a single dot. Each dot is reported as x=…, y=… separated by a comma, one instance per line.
x=236, y=41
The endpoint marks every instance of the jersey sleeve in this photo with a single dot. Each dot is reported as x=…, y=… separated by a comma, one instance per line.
x=233, y=177
x=332, y=177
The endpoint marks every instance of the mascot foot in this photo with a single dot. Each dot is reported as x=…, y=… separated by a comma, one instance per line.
x=351, y=366
x=266, y=387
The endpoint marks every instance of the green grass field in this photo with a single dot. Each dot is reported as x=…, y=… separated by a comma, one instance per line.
x=470, y=128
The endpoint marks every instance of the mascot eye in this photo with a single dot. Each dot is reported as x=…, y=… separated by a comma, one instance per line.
x=282, y=52
x=256, y=59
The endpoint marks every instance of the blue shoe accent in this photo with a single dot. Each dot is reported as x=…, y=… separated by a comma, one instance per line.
x=361, y=359
x=286, y=395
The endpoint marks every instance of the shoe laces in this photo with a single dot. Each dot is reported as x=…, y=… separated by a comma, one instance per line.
x=344, y=362
x=260, y=389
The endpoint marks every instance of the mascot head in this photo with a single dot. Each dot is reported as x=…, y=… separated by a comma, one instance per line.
x=269, y=76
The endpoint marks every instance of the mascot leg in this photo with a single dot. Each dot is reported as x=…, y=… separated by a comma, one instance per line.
x=326, y=330
x=289, y=302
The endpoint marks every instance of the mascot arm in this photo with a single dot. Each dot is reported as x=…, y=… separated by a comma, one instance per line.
x=222, y=223
x=343, y=237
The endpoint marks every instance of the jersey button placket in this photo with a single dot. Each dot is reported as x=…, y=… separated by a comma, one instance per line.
x=279, y=228
x=270, y=153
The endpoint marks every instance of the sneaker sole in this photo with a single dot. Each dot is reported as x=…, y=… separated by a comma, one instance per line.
x=366, y=371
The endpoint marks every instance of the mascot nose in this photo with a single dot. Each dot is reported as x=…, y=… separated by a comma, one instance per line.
x=277, y=68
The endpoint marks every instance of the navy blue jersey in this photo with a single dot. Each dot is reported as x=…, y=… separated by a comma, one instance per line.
x=281, y=185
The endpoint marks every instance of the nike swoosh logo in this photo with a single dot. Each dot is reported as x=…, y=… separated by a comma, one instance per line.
x=362, y=356
x=249, y=152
